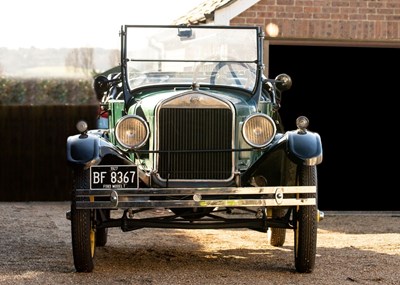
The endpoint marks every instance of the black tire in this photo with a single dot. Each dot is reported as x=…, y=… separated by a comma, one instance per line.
x=305, y=234
x=102, y=233
x=82, y=229
x=278, y=235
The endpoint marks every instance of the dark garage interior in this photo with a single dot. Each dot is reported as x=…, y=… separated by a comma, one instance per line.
x=349, y=94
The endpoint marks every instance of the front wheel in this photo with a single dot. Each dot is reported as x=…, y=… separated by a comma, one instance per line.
x=305, y=234
x=102, y=233
x=82, y=230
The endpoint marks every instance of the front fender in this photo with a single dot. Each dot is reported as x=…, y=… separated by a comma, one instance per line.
x=304, y=147
x=88, y=149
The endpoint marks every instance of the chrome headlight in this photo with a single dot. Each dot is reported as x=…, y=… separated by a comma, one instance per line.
x=132, y=131
x=258, y=130
x=81, y=126
x=302, y=123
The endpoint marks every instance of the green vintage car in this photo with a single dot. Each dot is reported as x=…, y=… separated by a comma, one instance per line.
x=192, y=128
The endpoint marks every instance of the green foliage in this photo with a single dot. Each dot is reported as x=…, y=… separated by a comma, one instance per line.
x=19, y=91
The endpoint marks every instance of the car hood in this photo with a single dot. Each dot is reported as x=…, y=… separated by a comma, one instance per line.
x=242, y=102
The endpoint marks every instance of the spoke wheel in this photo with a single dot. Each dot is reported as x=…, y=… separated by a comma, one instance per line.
x=305, y=234
x=102, y=233
x=278, y=235
x=82, y=230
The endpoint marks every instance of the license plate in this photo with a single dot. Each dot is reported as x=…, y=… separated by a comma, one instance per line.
x=113, y=177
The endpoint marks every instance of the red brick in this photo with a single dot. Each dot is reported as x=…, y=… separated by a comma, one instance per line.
x=284, y=2
x=328, y=19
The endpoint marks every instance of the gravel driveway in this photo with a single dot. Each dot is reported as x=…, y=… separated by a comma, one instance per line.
x=353, y=248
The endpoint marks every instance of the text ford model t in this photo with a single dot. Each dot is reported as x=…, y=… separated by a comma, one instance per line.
x=194, y=132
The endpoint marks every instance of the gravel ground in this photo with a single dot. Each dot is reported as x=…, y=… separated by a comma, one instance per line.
x=353, y=248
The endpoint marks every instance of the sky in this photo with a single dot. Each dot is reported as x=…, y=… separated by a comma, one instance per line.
x=81, y=23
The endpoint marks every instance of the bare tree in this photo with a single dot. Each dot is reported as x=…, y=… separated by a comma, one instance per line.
x=81, y=60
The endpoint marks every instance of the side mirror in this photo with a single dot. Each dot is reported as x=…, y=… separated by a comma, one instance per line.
x=101, y=86
x=283, y=82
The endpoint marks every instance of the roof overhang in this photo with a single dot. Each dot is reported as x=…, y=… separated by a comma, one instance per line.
x=223, y=15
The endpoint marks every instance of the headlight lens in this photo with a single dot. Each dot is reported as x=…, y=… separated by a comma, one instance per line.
x=258, y=130
x=132, y=131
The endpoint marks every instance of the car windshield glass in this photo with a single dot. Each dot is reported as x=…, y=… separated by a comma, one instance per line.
x=186, y=55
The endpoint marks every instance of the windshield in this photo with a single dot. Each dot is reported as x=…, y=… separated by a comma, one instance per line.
x=187, y=55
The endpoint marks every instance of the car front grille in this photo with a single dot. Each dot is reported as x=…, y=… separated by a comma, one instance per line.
x=195, y=143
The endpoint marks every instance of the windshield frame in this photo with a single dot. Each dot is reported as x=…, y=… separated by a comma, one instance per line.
x=202, y=55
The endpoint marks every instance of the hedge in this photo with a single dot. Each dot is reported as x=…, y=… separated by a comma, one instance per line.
x=18, y=91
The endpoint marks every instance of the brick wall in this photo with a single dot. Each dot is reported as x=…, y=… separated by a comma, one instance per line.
x=355, y=20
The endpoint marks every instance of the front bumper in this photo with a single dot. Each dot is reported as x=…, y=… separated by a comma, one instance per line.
x=195, y=197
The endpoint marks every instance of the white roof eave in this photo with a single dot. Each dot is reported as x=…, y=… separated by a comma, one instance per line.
x=224, y=15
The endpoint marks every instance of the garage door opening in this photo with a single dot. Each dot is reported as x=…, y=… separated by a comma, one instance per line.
x=348, y=94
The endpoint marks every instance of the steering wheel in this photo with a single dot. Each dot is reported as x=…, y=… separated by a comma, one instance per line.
x=217, y=74
x=231, y=72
